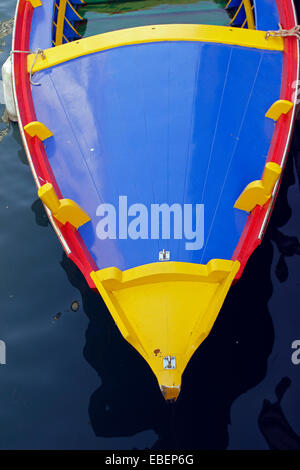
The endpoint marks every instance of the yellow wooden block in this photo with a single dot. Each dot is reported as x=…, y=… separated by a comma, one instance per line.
x=166, y=310
x=259, y=192
x=64, y=210
x=279, y=108
x=270, y=177
x=35, y=3
x=37, y=129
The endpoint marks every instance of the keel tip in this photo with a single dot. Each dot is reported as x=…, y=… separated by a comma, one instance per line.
x=170, y=394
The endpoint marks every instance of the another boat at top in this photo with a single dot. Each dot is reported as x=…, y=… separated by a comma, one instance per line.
x=158, y=152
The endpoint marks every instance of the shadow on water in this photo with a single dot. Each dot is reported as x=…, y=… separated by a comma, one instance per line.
x=287, y=245
x=41, y=217
x=273, y=423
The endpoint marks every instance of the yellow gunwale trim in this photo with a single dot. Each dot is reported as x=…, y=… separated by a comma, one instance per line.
x=115, y=279
x=148, y=34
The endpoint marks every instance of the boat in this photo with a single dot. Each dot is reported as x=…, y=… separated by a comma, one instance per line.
x=157, y=152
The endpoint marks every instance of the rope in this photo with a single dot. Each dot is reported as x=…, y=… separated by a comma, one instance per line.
x=37, y=53
x=285, y=33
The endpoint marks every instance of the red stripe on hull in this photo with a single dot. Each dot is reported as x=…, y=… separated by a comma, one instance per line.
x=79, y=253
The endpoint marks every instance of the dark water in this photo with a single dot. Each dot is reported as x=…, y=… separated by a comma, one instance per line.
x=71, y=381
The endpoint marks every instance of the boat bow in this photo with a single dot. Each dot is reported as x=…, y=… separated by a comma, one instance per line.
x=166, y=310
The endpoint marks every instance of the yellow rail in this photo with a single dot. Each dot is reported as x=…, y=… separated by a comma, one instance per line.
x=60, y=22
x=249, y=14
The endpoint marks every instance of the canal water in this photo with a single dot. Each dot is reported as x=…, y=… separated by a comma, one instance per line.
x=71, y=382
